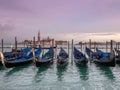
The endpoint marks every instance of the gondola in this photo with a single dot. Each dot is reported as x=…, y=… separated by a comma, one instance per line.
x=46, y=58
x=25, y=59
x=103, y=58
x=79, y=57
x=15, y=54
x=62, y=58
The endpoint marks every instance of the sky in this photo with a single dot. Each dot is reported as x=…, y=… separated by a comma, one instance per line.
x=60, y=19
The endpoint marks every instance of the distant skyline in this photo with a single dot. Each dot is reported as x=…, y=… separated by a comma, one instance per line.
x=60, y=19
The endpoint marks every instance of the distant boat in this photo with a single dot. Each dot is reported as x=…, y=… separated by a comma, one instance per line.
x=62, y=58
x=46, y=58
x=79, y=57
x=102, y=58
x=25, y=59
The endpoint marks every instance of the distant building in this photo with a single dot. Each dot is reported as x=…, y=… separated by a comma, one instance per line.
x=61, y=42
x=38, y=39
x=44, y=41
x=27, y=42
x=47, y=41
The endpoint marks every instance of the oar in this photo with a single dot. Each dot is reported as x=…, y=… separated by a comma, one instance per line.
x=2, y=59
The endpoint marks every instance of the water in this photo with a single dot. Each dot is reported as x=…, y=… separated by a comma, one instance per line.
x=52, y=77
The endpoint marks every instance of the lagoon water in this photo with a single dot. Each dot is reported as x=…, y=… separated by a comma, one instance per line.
x=52, y=77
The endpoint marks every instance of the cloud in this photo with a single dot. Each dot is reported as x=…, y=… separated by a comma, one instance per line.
x=103, y=34
x=15, y=9
x=86, y=36
x=12, y=5
x=6, y=25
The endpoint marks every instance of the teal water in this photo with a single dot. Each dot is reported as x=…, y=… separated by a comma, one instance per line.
x=52, y=77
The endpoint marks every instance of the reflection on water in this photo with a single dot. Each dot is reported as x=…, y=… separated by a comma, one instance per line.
x=16, y=69
x=106, y=71
x=2, y=67
x=118, y=65
x=53, y=76
x=83, y=71
x=60, y=71
x=41, y=71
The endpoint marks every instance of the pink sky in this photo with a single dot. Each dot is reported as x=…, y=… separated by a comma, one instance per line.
x=55, y=17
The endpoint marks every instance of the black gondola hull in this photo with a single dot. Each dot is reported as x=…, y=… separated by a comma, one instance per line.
x=0, y=62
x=82, y=63
x=9, y=64
x=40, y=63
x=117, y=60
x=62, y=62
x=110, y=63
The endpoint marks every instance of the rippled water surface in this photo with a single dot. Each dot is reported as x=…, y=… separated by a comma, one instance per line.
x=53, y=77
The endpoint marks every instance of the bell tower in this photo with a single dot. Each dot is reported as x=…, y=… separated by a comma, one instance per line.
x=39, y=36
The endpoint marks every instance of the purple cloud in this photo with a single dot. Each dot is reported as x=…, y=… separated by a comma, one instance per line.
x=6, y=25
x=103, y=34
x=13, y=5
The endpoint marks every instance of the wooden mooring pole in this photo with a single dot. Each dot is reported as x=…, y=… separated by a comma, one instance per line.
x=94, y=46
x=34, y=41
x=90, y=44
x=90, y=49
x=16, y=43
x=97, y=44
x=24, y=44
x=81, y=46
x=56, y=50
x=106, y=46
x=2, y=45
x=43, y=46
x=72, y=51
x=68, y=49
x=111, y=45
x=52, y=42
x=53, y=46
x=118, y=45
